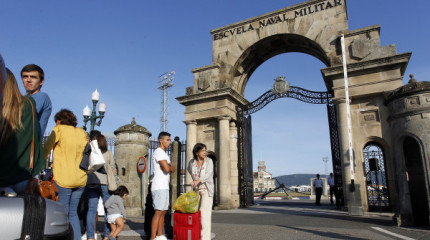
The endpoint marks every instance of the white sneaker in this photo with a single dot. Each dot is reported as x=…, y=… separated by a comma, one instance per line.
x=162, y=237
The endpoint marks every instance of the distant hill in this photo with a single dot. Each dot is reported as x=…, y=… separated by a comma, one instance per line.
x=296, y=179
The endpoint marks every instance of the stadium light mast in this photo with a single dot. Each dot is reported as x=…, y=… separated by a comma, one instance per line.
x=166, y=81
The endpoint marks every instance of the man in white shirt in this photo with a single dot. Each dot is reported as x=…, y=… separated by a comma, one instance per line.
x=160, y=185
x=318, y=184
x=330, y=182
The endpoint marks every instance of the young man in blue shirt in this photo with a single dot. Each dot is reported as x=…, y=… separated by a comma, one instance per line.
x=33, y=78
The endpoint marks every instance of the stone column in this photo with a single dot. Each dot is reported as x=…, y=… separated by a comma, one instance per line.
x=351, y=192
x=191, y=141
x=224, y=162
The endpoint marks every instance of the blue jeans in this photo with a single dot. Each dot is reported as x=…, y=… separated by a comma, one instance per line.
x=94, y=193
x=70, y=197
x=17, y=187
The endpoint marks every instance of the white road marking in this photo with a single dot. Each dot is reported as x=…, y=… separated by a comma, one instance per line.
x=392, y=234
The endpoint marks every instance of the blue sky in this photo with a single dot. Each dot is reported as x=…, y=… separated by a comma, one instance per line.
x=121, y=47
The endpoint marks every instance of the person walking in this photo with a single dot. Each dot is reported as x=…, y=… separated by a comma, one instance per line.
x=97, y=187
x=330, y=182
x=33, y=78
x=201, y=169
x=318, y=184
x=19, y=137
x=68, y=143
x=160, y=185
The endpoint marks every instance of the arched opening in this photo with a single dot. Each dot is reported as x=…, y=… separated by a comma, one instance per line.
x=269, y=47
x=284, y=139
x=415, y=175
x=376, y=178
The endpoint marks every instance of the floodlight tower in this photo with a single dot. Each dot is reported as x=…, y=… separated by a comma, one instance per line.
x=325, y=160
x=166, y=81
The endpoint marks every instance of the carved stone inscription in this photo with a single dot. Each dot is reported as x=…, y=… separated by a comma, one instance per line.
x=283, y=17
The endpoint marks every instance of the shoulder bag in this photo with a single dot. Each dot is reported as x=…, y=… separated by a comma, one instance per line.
x=96, y=157
x=111, y=182
x=46, y=189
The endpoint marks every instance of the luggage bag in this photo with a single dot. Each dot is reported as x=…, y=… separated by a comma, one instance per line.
x=33, y=217
x=187, y=226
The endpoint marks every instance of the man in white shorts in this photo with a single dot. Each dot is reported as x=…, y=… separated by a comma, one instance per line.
x=160, y=185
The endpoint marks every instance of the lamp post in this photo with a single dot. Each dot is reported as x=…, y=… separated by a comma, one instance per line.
x=93, y=117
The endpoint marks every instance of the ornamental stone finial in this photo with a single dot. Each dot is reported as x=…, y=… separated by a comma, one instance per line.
x=133, y=121
x=412, y=80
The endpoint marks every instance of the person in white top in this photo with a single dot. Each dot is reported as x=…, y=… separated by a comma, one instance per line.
x=330, y=182
x=201, y=169
x=318, y=184
x=160, y=185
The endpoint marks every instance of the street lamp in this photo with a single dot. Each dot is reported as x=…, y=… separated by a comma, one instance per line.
x=93, y=117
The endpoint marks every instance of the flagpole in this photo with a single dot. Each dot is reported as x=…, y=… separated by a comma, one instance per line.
x=348, y=112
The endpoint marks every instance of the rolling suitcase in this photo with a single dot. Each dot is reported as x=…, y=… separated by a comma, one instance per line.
x=31, y=217
x=186, y=226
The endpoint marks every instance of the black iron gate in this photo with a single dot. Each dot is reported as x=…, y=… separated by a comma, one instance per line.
x=246, y=190
x=376, y=179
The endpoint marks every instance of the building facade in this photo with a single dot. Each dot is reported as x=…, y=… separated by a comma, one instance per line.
x=263, y=181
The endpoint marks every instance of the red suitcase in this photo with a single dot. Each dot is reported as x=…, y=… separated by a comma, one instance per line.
x=186, y=226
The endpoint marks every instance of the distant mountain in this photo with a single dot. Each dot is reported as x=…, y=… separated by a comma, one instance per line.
x=296, y=179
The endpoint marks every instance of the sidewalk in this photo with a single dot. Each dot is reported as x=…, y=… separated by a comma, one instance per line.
x=291, y=219
x=133, y=228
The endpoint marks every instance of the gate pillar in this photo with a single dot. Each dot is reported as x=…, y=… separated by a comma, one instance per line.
x=224, y=163
x=352, y=192
x=191, y=141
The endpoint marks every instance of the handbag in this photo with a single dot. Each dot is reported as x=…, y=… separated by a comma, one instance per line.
x=96, y=157
x=46, y=189
x=111, y=181
x=85, y=162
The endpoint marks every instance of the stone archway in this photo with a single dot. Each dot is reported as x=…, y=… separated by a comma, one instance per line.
x=416, y=179
x=269, y=47
x=312, y=27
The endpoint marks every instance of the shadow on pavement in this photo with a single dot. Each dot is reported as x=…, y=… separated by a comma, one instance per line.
x=330, y=235
x=308, y=208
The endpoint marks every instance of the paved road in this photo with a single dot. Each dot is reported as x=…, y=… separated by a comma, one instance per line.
x=295, y=219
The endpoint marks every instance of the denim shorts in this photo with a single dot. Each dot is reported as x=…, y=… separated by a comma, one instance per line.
x=160, y=199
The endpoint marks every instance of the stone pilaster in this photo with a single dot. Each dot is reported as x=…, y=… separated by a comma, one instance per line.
x=224, y=163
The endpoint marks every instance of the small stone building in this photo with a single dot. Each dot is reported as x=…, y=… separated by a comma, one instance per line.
x=263, y=181
x=132, y=142
x=409, y=127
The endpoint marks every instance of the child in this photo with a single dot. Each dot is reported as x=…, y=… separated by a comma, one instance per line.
x=116, y=212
